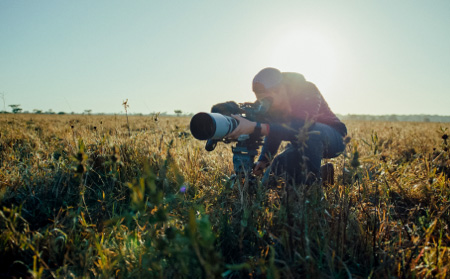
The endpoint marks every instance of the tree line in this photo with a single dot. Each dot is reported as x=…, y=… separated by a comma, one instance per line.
x=15, y=108
x=396, y=117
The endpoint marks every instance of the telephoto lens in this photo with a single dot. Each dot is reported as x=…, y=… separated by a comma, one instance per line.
x=206, y=126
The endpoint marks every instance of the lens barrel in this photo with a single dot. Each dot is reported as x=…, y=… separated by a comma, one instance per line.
x=206, y=126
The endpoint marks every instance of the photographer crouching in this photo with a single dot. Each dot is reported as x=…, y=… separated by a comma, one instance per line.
x=298, y=114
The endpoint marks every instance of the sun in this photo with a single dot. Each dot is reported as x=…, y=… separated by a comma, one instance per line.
x=309, y=52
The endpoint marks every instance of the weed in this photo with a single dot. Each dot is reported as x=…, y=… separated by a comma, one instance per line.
x=87, y=197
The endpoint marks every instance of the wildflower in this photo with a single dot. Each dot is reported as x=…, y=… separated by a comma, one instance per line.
x=183, y=189
x=125, y=104
x=445, y=137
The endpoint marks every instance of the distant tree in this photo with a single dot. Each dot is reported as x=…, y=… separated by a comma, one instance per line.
x=178, y=112
x=2, y=95
x=50, y=111
x=37, y=111
x=15, y=108
x=61, y=112
x=88, y=111
x=392, y=118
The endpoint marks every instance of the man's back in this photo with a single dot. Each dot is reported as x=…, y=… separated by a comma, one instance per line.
x=307, y=102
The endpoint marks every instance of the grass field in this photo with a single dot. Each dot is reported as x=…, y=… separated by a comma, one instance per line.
x=94, y=197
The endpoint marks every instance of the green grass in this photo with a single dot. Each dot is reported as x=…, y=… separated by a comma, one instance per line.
x=81, y=198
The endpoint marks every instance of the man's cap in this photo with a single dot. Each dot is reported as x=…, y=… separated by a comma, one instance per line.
x=266, y=79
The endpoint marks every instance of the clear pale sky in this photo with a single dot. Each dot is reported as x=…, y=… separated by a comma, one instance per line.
x=366, y=57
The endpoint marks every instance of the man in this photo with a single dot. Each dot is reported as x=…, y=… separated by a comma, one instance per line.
x=298, y=114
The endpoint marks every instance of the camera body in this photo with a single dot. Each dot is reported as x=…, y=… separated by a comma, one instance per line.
x=215, y=126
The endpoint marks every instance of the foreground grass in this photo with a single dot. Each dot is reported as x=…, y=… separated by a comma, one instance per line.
x=81, y=198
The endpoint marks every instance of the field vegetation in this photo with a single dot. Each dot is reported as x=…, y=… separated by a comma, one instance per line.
x=86, y=196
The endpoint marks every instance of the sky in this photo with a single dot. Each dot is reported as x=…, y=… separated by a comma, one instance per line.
x=366, y=57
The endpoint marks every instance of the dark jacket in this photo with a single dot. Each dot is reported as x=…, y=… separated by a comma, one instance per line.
x=308, y=105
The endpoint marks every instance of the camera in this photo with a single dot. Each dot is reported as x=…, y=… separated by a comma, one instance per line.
x=215, y=127
x=205, y=126
x=219, y=123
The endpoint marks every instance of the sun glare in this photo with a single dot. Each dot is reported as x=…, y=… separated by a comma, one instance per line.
x=308, y=52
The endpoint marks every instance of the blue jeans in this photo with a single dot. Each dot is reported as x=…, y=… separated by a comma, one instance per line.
x=303, y=164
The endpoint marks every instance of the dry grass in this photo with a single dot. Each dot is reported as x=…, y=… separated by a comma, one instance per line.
x=81, y=198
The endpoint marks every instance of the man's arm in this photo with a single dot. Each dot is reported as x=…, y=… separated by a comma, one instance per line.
x=246, y=127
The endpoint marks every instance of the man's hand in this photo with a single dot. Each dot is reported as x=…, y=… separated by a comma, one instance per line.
x=245, y=127
x=259, y=167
